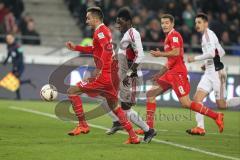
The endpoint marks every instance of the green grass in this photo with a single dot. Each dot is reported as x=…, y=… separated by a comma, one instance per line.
x=28, y=136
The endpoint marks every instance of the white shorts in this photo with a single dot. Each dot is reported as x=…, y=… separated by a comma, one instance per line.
x=216, y=82
x=128, y=94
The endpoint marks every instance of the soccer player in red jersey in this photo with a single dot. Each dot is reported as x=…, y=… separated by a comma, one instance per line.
x=104, y=82
x=174, y=76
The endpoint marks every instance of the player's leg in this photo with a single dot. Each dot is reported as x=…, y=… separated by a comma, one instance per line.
x=73, y=95
x=119, y=70
x=116, y=126
x=134, y=117
x=133, y=138
x=151, y=106
x=233, y=102
x=199, y=130
x=220, y=92
x=200, y=108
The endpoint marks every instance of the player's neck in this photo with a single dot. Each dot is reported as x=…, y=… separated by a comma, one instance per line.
x=127, y=28
x=169, y=31
x=98, y=25
x=205, y=30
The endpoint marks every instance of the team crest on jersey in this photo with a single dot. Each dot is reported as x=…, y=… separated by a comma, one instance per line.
x=101, y=35
x=175, y=39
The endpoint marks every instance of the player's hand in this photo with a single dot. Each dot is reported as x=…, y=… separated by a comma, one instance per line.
x=190, y=59
x=203, y=67
x=126, y=81
x=70, y=45
x=155, y=77
x=156, y=53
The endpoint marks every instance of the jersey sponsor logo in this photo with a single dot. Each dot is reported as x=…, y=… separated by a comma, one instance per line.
x=175, y=39
x=101, y=35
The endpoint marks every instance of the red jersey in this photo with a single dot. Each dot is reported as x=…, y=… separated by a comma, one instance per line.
x=102, y=49
x=174, y=40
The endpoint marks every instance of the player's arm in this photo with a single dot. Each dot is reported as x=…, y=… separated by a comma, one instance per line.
x=8, y=56
x=157, y=53
x=84, y=49
x=176, y=48
x=209, y=50
x=138, y=50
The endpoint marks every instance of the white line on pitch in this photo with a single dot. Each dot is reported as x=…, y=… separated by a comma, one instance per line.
x=154, y=139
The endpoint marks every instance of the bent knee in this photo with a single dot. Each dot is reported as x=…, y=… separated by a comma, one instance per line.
x=221, y=104
x=72, y=90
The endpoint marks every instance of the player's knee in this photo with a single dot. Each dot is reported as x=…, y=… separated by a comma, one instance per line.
x=186, y=104
x=150, y=96
x=126, y=105
x=221, y=104
x=71, y=90
x=197, y=98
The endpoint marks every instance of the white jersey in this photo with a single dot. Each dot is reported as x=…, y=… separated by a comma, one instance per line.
x=212, y=80
x=211, y=47
x=130, y=50
x=132, y=38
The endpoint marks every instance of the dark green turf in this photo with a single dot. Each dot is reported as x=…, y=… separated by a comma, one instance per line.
x=30, y=136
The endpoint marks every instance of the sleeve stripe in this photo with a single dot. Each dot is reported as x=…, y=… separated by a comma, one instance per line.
x=132, y=38
x=131, y=35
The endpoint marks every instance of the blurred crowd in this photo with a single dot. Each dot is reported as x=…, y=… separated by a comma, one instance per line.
x=224, y=17
x=14, y=20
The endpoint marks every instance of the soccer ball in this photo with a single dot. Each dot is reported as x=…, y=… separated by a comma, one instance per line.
x=48, y=92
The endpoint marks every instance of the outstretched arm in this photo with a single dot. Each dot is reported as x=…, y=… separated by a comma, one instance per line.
x=84, y=49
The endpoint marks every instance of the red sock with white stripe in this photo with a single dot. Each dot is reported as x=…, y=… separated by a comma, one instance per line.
x=124, y=122
x=151, y=108
x=78, y=109
x=198, y=107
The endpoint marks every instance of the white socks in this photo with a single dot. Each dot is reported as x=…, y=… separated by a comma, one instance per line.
x=136, y=119
x=233, y=102
x=113, y=116
x=200, y=120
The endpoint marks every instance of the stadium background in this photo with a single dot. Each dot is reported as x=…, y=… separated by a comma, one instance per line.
x=42, y=27
x=29, y=129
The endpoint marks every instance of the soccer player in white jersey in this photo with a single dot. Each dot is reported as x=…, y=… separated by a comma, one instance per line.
x=214, y=78
x=130, y=55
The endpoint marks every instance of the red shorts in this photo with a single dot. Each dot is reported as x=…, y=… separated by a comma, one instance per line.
x=106, y=86
x=178, y=81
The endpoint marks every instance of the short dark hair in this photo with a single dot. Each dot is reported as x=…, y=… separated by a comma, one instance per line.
x=97, y=12
x=203, y=16
x=169, y=16
x=125, y=14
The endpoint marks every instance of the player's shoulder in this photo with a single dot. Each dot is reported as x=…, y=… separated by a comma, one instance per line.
x=175, y=33
x=102, y=32
x=133, y=33
x=212, y=33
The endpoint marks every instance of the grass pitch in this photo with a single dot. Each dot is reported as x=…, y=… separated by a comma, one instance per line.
x=39, y=136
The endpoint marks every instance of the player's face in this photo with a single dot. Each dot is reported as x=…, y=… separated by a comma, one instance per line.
x=90, y=20
x=200, y=24
x=167, y=25
x=10, y=39
x=121, y=25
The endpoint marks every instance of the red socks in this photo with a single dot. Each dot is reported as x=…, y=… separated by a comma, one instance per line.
x=198, y=107
x=124, y=122
x=78, y=109
x=151, y=108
